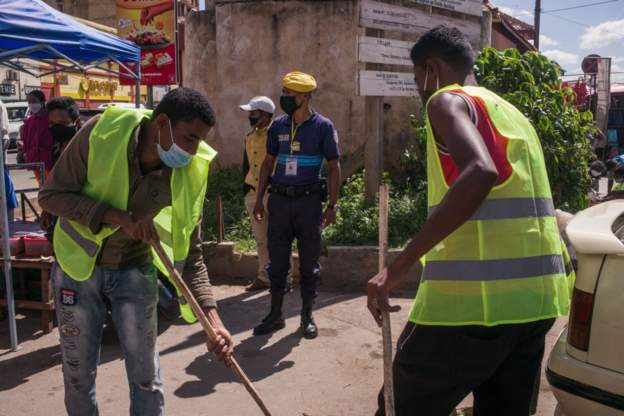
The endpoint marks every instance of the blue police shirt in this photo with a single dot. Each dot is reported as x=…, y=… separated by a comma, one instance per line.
x=317, y=140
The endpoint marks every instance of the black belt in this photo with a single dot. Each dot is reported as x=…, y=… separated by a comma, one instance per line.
x=296, y=191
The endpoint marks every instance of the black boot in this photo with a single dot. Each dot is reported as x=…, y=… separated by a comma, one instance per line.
x=274, y=320
x=308, y=327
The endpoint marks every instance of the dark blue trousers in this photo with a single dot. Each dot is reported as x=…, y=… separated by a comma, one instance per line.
x=290, y=218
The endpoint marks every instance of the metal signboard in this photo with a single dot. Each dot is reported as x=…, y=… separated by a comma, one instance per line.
x=473, y=7
x=387, y=84
x=383, y=16
x=384, y=51
x=7, y=89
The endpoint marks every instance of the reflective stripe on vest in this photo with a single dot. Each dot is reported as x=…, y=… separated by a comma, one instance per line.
x=495, y=269
x=90, y=247
x=498, y=209
x=506, y=264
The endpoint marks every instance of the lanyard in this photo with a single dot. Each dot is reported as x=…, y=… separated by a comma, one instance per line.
x=293, y=133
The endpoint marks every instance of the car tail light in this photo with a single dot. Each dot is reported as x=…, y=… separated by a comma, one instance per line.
x=580, y=319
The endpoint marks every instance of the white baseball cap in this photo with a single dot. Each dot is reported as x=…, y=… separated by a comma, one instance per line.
x=259, y=103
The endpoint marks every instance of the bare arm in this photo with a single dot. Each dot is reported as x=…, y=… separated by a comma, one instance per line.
x=453, y=127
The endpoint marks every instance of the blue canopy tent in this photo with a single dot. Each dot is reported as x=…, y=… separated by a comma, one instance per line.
x=32, y=29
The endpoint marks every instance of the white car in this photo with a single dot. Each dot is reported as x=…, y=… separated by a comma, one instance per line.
x=18, y=111
x=122, y=105
x=586, y=365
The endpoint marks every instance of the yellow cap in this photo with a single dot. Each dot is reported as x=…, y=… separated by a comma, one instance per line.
x=299, y=82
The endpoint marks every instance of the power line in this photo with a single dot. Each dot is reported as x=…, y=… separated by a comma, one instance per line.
x=568, y=20
x=580, y=6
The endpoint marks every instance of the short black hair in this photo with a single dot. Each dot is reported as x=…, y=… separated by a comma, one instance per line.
x=38, y=94
x=185, y=104
x=446, y=43
x=64, y=103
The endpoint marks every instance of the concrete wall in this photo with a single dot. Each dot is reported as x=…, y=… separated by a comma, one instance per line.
x=254, y=43
x=99, y=11
x=342, y=268
x=237, y=49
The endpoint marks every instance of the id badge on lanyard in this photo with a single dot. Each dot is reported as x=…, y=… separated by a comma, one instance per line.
x=295, y=147
x=291, y=166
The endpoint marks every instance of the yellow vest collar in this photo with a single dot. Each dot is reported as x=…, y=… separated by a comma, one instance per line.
x=441, y=90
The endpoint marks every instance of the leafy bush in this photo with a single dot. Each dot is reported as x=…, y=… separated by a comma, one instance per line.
x=356, y=221
x=229, y=184
x=531, y=82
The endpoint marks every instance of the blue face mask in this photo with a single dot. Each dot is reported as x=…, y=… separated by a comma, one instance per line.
x=175, y=157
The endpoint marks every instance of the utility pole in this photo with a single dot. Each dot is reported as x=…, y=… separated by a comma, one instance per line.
x=538, y=12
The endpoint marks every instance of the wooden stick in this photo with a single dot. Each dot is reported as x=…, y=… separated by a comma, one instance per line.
x=385, y=330
x=203, y=320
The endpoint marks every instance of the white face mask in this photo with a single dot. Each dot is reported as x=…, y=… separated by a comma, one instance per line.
x=34, y=107
x=175, y=157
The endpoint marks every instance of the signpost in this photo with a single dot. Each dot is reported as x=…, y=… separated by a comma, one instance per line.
x=472, y=7
x=603, y=92
x=387, y=84
x=376, y=51
x=7, y=89
x=384, y=51
x=383, y=16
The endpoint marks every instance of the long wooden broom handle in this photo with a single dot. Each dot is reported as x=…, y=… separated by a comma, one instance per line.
x=385, y=316
x=203, y=320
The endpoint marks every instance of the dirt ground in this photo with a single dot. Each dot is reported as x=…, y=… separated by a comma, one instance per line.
x=339, y=373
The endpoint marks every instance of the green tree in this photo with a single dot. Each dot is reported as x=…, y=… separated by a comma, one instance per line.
x=532, y=82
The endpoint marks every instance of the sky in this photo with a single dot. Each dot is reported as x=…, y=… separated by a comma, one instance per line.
x=567, y=36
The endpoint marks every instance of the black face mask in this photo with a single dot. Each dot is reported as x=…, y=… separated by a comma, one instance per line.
x=253, y=121
x=62, y=133
x=289, y=104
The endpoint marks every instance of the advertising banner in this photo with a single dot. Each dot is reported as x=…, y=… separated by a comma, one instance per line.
x=151, y=24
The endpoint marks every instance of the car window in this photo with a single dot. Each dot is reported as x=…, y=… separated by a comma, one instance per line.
x=17, y=113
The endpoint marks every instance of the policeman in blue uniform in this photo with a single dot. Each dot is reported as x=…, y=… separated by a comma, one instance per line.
x=297, y=145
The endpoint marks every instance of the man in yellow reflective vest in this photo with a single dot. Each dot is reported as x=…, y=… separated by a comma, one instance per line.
x=127, y=179
x=495, y=277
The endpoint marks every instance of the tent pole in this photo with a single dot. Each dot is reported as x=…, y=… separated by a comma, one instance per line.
x=6, y=254
x=137, y=95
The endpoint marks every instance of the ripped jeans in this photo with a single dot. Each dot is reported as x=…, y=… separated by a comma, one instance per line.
x=81, y=311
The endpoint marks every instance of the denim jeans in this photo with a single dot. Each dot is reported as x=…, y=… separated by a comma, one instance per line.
x=81, y=311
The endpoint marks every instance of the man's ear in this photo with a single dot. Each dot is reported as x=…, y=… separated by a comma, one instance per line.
x=161, y=120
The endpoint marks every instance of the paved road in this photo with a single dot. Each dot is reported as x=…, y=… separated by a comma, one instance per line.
x=22, y=179
x=338, y=374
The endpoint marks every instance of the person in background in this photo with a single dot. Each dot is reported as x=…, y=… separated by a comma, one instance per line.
x=9, y=189
x=38, y=144
x=64, y=121
x=297, y=145
x=260, y=114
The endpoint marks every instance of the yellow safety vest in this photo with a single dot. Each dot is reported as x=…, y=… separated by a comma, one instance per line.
x=506, y=264
x=76, y=247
